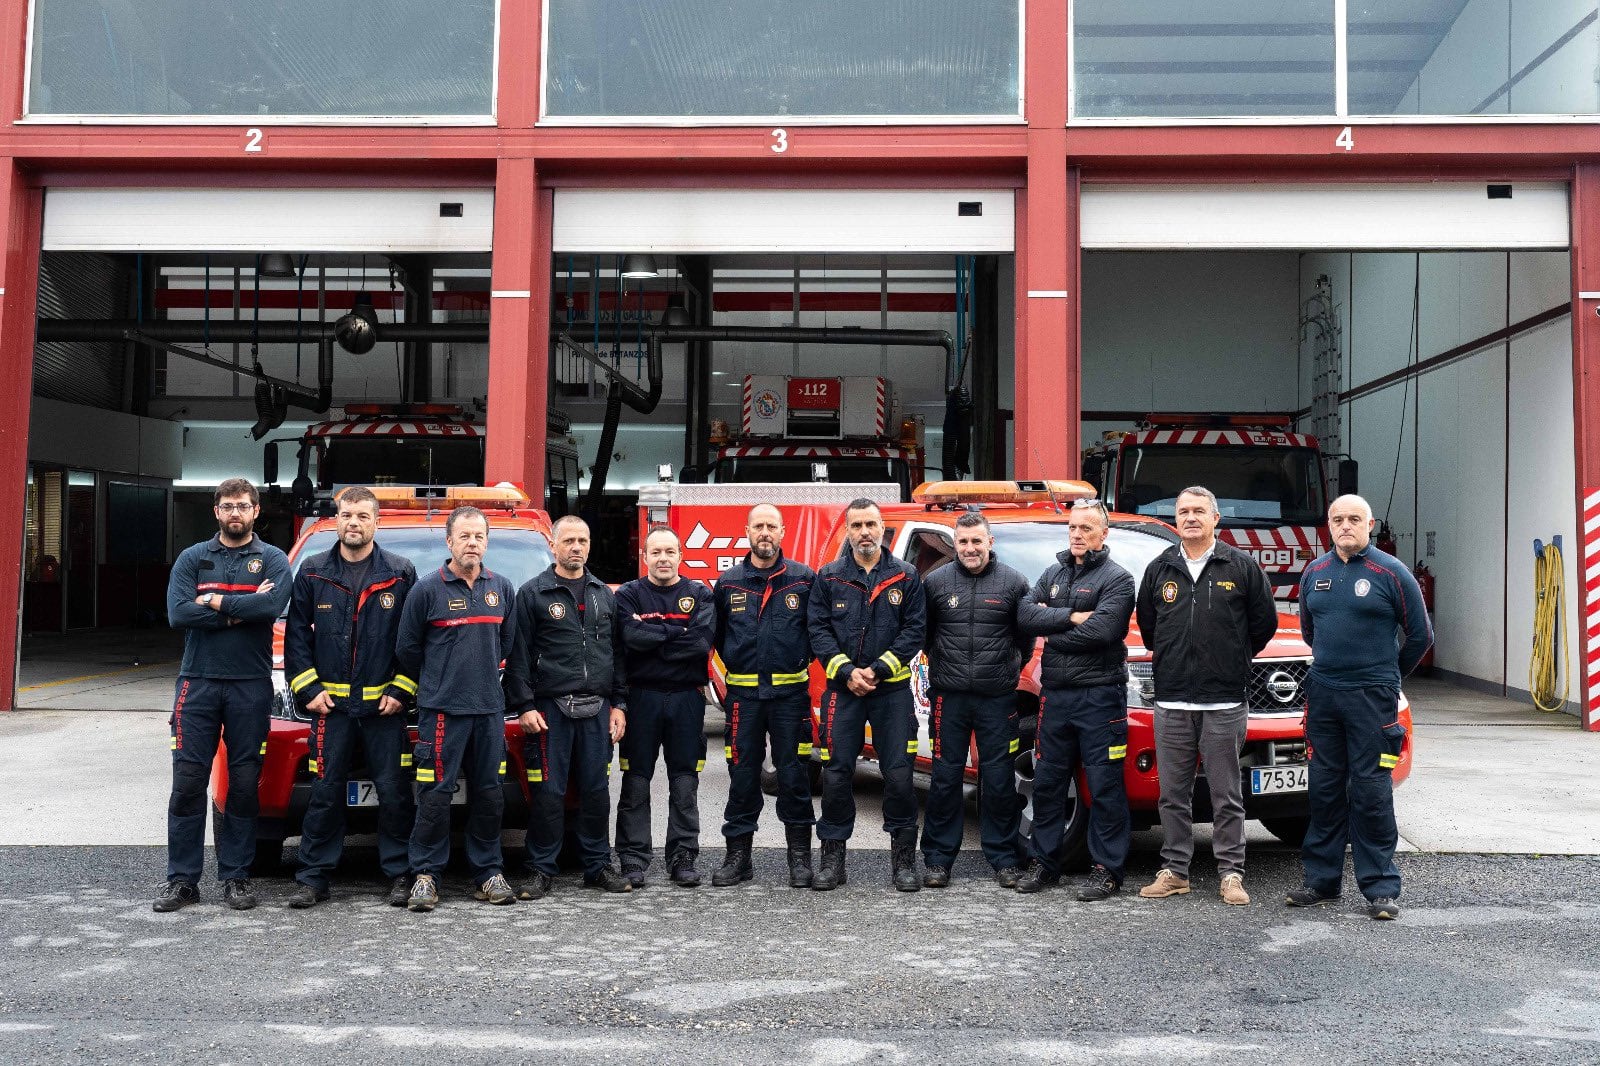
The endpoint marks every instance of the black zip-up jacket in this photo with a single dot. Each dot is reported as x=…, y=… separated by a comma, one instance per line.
x=666, y=633
x=762, y=632
x=234, y=643
x=874, y=619
x=1094, y=652
x=1204, y=633
x=453, y=639
x=563, y=651
x=340, y=639
x=974, y=641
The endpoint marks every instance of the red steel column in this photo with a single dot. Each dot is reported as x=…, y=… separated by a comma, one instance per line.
x=1586, y=417
x=21, y=214
x=1047, y=400
x=519, y=327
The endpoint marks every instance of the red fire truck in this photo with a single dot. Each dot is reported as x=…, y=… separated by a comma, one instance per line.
x=1270, y=482
x=849, y=427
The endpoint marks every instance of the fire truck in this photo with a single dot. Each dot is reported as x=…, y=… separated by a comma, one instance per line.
x=1270, y=482
x=796, y=429
x=423, y=446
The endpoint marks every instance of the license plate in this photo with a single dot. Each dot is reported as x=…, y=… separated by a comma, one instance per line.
x=365, y=793
x=1265, y=780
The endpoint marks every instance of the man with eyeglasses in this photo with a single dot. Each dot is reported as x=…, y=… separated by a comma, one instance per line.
x=224, y=593
x=1083, y=603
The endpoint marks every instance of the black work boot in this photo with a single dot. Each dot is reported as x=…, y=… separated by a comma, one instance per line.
x=681, y=869
x=831, y=872
x=903, y=860
x=799, y=855
x=736, y=865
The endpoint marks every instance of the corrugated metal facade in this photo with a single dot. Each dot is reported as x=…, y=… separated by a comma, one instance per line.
x=81, y=285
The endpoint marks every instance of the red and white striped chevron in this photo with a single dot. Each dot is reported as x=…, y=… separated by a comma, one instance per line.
x=388, y=427
x=1591, y=609
x=1261, y=437
x=813, y=451
x=1268, y=546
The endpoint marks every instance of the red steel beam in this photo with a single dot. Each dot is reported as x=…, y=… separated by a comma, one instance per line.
x=21, y=215
x=1586, y=420
x=519, y=317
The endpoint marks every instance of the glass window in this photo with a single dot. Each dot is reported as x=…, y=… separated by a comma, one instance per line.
x=758, y=58
x=261, y=60
x=519, y=554
x=1031, y=547
x=1473, y=57
x=1256, y=487
x=1214, y=58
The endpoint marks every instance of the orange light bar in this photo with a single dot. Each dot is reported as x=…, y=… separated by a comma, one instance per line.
x=404, y=497
x=1263, y=420
x=978, y=492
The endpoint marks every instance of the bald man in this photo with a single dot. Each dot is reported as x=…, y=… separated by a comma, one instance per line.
x=1362, y=613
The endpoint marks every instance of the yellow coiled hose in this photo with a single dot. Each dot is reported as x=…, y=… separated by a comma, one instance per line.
x=1545, y=670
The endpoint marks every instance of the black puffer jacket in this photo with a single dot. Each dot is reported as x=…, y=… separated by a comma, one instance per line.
x=1094, y=652
x=973, y=642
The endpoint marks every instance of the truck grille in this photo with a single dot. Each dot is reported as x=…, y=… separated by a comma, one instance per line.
x=1275, y=684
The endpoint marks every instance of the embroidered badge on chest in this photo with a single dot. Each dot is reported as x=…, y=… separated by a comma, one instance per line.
x=792, y=601
x=386, y=600
x=491, y=599
x=457, y=605
x=558, y=610
x=1053, y=590
x=895, y=596
x=686, y=604
x=254, y=566
x=954, y=601
x=1169, y=592
x=1363, y=587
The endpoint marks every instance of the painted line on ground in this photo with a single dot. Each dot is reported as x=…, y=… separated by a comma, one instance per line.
x=96, y=677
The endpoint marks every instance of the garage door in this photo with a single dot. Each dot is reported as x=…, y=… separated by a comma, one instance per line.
x=1345, y=217
x=784, y=220
x=263, y=220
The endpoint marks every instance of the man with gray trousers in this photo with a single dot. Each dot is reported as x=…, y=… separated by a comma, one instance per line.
x=1205, y=611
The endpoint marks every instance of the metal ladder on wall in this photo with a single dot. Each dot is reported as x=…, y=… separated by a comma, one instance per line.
x=1319, y=327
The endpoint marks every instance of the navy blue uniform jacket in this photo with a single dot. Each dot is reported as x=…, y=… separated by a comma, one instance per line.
x=762, y=632
x=453, y=639
x=341, y=639
x=234, y=643
x=874, y=619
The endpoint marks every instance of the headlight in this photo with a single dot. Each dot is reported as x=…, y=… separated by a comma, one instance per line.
x=1141, y=685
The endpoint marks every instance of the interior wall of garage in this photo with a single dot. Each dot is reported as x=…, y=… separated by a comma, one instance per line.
x=1471, y=461
x=1495, y=72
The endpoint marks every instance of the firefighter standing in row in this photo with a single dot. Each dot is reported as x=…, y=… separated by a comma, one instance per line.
x=867, y=618
x=455, y=628
x=1083, y=704
x=338, y=654
x=1362, y=613
x=224, y=593
x=565, y=676
x=975, y=651
x=761, y=634
x=667, y=624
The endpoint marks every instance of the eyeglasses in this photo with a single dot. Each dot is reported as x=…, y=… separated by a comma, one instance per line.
x=236, y=508
x=1086, y=504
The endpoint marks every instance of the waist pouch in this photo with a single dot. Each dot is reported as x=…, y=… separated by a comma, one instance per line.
x=580, y=707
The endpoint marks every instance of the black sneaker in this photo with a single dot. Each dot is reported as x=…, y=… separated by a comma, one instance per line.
x=537, y=886
x=306, y=896
x=1305, y=896
x=175, y=895
x=609, y=879
x=1037, y=879
x=684, y=874
x=400, y=891
x=936, y=877
x=1098, y=885
x=635, y=875
x=1383, y=909
x=236, y=894
x=1008, y=876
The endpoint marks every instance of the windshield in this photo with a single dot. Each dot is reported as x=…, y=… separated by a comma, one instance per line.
x=855, y=470
x=1256, y=487
x=1031, y=547
x=519, y=554
x=401, y=461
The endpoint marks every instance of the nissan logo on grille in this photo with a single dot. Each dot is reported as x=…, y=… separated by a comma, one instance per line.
x=1283, y=686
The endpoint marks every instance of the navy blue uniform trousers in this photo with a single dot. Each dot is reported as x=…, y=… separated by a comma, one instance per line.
x=1087, y=727
x=1355, y=737
x=205, y=710
x=452, y=746
x=334, y=740
x=954, y=718
x=576, y=750
x=894, y=736
x=673, y=723
x=751, y=722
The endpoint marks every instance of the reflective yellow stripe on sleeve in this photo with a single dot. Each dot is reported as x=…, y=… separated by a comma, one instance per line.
x=744, y=680
x=404, y=684
x=373, y=692
x=1117, y=751
x=892, y=661
x=301, y=680
x=1388, y=762
x=836, y=663
x=798, y=678
x=335, y=688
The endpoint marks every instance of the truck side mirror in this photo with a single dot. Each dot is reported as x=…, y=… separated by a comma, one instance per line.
x=1349, y=480
x=269, y=463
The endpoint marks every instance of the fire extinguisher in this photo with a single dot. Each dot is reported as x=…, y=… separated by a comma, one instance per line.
x=1385, y=537
x=1425, y=581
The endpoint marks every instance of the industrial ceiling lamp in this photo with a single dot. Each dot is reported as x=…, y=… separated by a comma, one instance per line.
x=676, y=314
x=357, y=331
x=637, y=265
x=277, y=265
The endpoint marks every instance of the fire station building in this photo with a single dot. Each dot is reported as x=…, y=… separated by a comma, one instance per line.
x=1378, y=221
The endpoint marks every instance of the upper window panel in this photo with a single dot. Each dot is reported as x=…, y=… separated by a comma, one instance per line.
x=653, y=60
x=426, y=60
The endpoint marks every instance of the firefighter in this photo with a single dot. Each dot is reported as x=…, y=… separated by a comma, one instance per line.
x=338, y=654
x=975, y=653
x=1083, y=705
x=761, y=607
x=224, y=593
x=1205, y=611
x=566, y=677
x=667, y=624
x=455, y=629
x=871, y=603
x=1353, y=602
